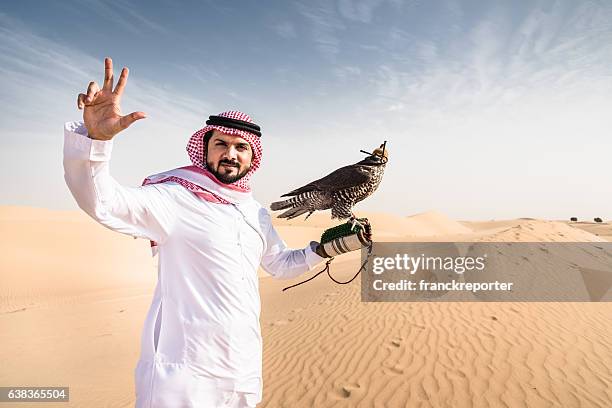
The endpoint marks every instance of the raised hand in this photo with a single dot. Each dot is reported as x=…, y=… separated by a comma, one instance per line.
x=102, y=110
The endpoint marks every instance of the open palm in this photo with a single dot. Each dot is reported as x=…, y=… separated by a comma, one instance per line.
x=102, y=107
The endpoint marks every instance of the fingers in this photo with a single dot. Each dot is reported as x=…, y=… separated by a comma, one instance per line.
x=108, y=74
x=87, y=99
x=92, y=89
x=81, y=101
x=127, y=120
x=122, y=81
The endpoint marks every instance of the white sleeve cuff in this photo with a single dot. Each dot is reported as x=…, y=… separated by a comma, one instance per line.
x=77, y=144
x=312, y=258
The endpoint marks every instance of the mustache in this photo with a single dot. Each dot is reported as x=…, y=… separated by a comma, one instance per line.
x=229, y=163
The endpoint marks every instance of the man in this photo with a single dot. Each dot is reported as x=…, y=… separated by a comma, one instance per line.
x=201, y=342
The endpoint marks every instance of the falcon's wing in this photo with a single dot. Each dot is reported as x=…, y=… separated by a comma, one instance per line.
x=345, y=177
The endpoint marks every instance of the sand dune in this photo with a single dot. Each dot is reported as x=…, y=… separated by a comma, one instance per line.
x=334, y=351
x=492, y=225
x=53, y=256
x=434, y=223
x=389, y=227
x=603, y=230
x=73, y=297
x=327, y=349
x=539, y=230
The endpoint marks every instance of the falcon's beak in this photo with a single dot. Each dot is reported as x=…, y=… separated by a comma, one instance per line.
x=380, y=153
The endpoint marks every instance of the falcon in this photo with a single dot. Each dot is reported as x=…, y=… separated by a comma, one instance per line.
x=339, y=190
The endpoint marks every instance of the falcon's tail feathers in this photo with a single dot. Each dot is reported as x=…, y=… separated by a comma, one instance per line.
x=294, y=212
x=281, y=205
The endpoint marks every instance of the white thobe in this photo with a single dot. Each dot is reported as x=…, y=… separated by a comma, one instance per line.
x=202, y=332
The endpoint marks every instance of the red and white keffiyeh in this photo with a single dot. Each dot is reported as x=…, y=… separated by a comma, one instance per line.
x=195, y=148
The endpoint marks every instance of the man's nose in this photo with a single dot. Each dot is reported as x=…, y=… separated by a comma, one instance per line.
x=231, y=153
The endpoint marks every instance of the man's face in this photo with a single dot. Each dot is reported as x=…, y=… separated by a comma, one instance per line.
x=228, y=157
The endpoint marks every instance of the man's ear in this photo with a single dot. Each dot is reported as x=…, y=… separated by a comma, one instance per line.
x=206, y=139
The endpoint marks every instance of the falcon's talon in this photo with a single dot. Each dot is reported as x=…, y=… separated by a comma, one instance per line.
x=353, y=220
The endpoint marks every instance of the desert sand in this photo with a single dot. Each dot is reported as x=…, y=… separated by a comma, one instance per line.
x=73, y=297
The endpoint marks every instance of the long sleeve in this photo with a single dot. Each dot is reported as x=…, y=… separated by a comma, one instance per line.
x=285, y=263
x=147, y=212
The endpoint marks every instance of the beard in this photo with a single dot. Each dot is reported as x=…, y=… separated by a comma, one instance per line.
x=227, y=174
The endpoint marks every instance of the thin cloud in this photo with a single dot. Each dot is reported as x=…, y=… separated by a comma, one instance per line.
x=359, y=10
x=490, y=111
x=40, y=80
x=203, y=74
x=520, y=101
x=499, y=65
x=286, y=30
x=347, y=72
x=126, y=15
x=36, y=70
x=325, y=23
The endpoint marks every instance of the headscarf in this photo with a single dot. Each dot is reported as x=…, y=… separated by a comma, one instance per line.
x=196, y=148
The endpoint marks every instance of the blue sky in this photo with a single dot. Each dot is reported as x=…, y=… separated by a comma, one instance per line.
x=491, y=109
